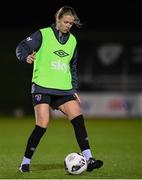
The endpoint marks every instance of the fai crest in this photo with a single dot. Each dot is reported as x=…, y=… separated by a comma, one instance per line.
x=38, y=97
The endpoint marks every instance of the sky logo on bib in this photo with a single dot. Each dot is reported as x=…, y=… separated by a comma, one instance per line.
x=59, y=66
x=61, y=53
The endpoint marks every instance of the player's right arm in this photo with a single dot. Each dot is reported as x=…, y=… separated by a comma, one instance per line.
x=26, y=49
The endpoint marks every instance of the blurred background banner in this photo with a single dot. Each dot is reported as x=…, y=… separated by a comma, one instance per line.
x=111, y=62
x=110, y=105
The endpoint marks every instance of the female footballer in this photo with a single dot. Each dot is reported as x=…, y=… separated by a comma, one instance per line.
x=53, y=52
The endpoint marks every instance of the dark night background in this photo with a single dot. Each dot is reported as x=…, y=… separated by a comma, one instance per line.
x=100, y=15
x=104, y=21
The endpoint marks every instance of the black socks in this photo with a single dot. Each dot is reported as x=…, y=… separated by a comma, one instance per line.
x=79, y=129
x=34, y=140
x=80, y=132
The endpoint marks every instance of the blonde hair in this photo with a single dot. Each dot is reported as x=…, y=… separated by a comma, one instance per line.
x=69, y=11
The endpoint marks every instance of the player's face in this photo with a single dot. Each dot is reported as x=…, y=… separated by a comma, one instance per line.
x=65, y=23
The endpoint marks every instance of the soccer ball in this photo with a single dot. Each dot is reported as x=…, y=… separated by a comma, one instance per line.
x=75, y=163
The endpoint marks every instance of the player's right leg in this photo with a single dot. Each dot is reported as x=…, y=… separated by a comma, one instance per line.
x=42, y=120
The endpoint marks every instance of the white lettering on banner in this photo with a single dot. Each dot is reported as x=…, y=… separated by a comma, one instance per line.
x=109, y=53
x=58, y=65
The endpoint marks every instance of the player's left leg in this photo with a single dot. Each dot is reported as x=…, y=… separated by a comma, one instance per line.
x=73, y=111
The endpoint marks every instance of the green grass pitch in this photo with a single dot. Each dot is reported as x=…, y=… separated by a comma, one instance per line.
x=117, y=142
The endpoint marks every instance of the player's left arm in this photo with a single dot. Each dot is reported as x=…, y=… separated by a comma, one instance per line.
x=73, y=67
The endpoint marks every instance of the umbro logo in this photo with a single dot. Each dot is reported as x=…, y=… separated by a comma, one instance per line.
x=29, y=38
x=61, y=53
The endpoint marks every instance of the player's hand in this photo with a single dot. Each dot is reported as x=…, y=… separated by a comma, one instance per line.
x=30, y=58
x=77, y=98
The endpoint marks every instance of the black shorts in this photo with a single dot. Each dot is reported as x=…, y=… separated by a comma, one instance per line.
x=53, y=100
